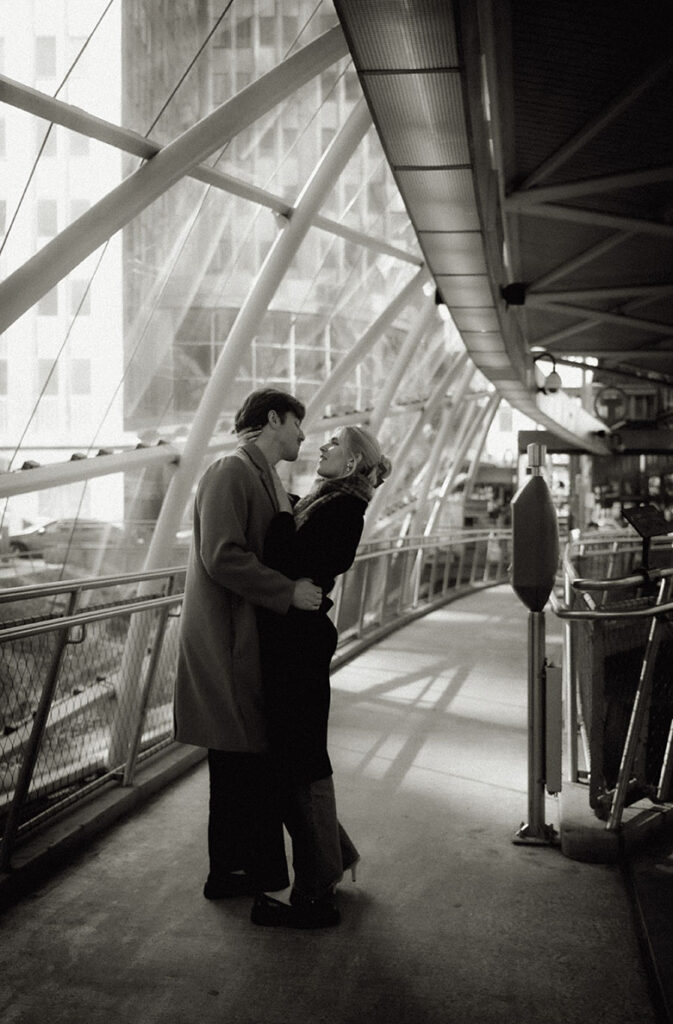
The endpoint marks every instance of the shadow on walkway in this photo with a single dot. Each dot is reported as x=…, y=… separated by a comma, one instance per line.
x=449, y=922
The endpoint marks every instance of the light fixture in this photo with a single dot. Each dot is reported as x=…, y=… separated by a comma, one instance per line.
x=442, y=307
x=552, y=382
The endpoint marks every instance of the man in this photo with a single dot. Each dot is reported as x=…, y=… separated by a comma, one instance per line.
x=218, y=695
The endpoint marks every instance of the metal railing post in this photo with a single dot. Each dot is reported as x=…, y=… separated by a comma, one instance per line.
x=570, y=689
x=134, y=745
x=33, y=746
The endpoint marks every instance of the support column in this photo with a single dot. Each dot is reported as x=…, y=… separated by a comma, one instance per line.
x=411, y=344
x=472, y=425
x=476, y=459
x=321, y=398
x=398, y=458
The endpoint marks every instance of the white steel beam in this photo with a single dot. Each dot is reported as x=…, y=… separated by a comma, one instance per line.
x=649, y=292
x=590, y=255
x=593, y=127
x=437, y=397
x=589, y=186
x=412, y=343
x=358, y=352
x=473, y=471
x=633, y=225
x=600, y=316
x=470, y=429
x=271, y=274
x=40, y=478
x=38, y=275
x=61, y=113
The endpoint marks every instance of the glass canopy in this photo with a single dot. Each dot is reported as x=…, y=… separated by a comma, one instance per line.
x=195, y=204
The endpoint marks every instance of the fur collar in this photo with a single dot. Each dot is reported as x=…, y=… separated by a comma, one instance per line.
x=325, y=490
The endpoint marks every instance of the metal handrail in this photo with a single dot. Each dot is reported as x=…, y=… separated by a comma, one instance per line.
x=84, y=583
x=375, y=602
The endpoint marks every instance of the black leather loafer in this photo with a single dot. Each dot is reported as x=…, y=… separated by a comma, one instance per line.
x=273, y=914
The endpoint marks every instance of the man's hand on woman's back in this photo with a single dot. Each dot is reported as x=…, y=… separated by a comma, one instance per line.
x=307, y=597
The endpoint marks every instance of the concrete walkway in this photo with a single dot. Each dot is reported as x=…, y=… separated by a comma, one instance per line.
x=449, y=921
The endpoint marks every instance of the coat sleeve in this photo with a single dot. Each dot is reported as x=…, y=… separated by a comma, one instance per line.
x=323, y=548
x=224, y=503
x=329, y=541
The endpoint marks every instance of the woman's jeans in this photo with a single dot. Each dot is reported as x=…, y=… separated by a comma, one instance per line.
x=321, y=848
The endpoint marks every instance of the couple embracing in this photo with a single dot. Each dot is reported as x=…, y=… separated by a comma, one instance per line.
x=256, y=644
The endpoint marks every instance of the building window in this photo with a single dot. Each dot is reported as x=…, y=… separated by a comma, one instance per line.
x=47, y=377
x=45, y=135
x=78, y=207
x=46, y=217
x=48, y=304
x=80, y=298
x=80, y=376
x=244, y=34
x=505, y=419
x=45, y=56
x=79, y=144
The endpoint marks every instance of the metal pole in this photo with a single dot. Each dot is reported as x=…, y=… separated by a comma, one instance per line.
x=157, y=645
x=569, y=677
x=535, y=831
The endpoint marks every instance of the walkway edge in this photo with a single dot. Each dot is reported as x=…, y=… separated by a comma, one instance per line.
x=54, y=846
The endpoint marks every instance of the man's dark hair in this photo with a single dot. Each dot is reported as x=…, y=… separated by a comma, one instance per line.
x=256, y=408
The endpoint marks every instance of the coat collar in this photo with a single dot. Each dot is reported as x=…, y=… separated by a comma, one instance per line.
x=257, y=460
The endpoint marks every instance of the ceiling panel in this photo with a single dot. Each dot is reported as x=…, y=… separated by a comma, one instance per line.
x=419, y=117
x=454, y=252
x=465, y=290
x=440, y=200
x=398, y=35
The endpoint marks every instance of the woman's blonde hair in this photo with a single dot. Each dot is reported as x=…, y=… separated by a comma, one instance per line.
x=366, y=454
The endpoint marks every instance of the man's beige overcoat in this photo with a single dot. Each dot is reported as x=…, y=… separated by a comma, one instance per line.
x=218, y=693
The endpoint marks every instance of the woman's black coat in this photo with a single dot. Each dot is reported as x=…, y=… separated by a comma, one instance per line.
x=297, y=648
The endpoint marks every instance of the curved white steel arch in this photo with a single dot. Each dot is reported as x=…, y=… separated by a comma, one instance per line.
x=38, y=275
x=179, y=491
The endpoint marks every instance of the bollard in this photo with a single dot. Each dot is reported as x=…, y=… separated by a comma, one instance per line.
x=535, y=555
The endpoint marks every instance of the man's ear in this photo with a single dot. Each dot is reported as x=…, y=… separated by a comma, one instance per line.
x=273, y=418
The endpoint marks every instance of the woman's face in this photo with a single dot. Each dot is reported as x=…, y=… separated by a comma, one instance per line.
x=333, y=459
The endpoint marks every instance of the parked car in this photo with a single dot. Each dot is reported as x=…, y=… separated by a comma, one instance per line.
x=53, y=540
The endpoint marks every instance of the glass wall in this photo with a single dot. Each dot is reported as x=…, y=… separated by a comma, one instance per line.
x=115, y=356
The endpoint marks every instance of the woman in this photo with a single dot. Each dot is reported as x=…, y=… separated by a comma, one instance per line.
x=318, y=542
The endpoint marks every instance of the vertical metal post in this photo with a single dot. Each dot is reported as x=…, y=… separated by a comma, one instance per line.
x=533, y=505
x=448, y=558
x=535, y=827
x=570, y=688
x=636, y=736
x=157, y=645
x=384, y=586
x=33, y=745
x=363, y=597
